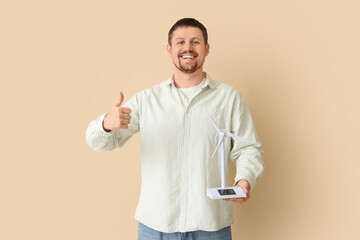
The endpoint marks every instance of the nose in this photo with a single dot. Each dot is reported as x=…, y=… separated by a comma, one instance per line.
x=188, y=46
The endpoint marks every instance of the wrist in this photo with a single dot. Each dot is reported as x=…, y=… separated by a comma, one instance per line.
x=103, y=124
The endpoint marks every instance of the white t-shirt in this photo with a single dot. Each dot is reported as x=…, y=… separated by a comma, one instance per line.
x=191, y=92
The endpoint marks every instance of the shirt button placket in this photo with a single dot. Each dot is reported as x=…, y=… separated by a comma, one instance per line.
x=184, y=164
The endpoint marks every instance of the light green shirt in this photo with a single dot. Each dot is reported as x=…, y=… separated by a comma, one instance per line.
x=177, y=141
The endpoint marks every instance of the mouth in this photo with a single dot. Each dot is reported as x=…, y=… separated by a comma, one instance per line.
x=187, y=56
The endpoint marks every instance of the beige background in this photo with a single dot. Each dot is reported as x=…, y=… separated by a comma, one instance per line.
x=63, y=62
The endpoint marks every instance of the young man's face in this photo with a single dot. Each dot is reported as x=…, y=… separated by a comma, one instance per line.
x=188, y=49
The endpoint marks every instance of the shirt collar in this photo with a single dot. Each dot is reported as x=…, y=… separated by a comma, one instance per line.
x=208, y=81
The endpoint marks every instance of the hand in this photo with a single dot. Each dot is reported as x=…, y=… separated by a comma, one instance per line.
x=118, y=117
x=245, y=187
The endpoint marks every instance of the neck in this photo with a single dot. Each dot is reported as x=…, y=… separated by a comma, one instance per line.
x=185, y=80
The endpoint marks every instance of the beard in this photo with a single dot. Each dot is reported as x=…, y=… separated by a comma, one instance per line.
x=187, y=69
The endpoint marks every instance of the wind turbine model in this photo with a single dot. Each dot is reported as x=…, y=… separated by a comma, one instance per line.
x=224, y=192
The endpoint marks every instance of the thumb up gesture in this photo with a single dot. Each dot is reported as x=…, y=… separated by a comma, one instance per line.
x=118, y=117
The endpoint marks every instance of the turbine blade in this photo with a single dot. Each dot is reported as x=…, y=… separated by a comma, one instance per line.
x=217, y=147
x=217, y=128
x=234, y=136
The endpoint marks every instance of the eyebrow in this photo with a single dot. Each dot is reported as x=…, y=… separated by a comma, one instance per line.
x=190, y=39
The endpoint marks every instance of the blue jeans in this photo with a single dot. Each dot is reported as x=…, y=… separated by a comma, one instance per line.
x=146, y=233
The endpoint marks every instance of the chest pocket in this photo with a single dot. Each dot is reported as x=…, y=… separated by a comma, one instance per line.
x=201, y=122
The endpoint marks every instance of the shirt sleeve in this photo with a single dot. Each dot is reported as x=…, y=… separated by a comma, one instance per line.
x=100, y=140
x=247, y=155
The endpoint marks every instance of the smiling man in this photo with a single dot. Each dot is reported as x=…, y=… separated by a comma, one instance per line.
x=177, y=140
x=188, y=48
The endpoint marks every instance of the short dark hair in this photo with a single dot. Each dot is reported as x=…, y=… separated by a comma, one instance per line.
x=188, y=22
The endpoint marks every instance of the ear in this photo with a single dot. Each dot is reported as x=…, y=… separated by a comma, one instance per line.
x=207, y=49
x=168, y=49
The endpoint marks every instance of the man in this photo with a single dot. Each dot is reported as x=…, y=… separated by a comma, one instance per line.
x=177, y=140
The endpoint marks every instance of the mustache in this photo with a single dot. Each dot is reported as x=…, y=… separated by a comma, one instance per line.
x=192, y=52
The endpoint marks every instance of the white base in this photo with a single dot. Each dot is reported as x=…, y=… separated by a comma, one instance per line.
x=214, y=193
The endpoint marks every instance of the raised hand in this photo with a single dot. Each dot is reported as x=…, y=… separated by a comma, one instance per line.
x=118, y=117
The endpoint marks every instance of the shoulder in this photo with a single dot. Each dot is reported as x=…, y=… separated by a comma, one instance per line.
x=224, y=86
x=154, y=90
x=228, y=90
x=149, y=93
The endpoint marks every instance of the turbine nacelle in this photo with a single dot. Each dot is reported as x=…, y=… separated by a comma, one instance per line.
x=222, y=135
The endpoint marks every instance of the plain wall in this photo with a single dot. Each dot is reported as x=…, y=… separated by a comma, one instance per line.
x=62, y=64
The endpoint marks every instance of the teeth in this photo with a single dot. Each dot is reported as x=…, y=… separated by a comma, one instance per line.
x=187, y=57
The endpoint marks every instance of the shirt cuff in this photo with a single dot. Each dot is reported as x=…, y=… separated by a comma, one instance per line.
x=248, y=178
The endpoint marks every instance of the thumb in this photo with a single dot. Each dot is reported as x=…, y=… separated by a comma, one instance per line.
x=119, y=100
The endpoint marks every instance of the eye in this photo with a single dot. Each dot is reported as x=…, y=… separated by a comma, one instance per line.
x=196, y=42
x=180, y=42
